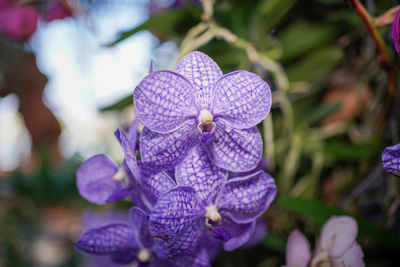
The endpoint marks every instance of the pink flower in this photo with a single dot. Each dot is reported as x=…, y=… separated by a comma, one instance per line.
x=18, y=23
x=56, y=10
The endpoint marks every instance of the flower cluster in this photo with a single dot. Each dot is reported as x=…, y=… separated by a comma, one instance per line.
x=19, y=21
x=199, y=132
x=337, y=246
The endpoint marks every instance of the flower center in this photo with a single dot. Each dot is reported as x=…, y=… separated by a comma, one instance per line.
x=121, y=176
x=206, y=126
x=205, y=116
x=212, y=214
x=144, y=255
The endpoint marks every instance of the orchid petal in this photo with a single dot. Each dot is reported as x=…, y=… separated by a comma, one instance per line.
x=242, y=99
x=198, y=171
x=298, y=252
x=245, y=198
x=164, y=101
x=94, y=179
x=235, y=150
x=163, y=151
x=203, y=73
x=391, y=159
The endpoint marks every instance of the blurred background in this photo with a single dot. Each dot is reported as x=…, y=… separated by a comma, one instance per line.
x=68, y=69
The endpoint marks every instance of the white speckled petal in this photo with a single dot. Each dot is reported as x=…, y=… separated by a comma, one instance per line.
x=163, y=101
x=235, y=150
x=198, y=171
x=203, y=73
x=242, y=98
x=243, y=199
x=353, y=257
x=164, y=151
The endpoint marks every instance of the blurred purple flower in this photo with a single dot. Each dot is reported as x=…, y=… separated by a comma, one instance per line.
x=337, y=246
x=205, y=199
x=391, y=159
x=56, y=10
x=396, y=32
x=197, y=104
x=18, y=23
x=123, y=242
x=258, y=235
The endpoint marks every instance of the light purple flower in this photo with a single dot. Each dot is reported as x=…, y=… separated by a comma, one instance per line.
x=396, y=32
x=206, y=200
x=391, y=159
x=336, y=247
x=196, y=103
x=337, y=244
x=298, y=252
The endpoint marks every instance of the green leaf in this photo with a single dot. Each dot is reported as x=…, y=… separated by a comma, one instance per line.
x=320, y=213
x=344, y=151
x=303, y=37
x=316, y=65
x=119, y=105
x=163, y=23
x=276, y=242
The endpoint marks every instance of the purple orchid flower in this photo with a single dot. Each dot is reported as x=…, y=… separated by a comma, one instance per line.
x=396, y=32
x=206, y=200
x=123, y=242
x=337, y=246
x=100, y=180
x=132, y=242
x=258, y=235
x=195, y=104
x=391, y=159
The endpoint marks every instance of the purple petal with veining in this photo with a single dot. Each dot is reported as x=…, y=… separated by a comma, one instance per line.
x=183, y=243
x=245, y=198
x=391, y=159
x=235, y=150
x=240, y=233
x=94, y=179
x=107, y=239
x=203, y=73
x=153, y=185
x=298, y=252
x=242, y=99
x=164, y=151
x=129, y=151
x=164, y=101
x=173, y=211
x=124, y=256
x=198, y=171
x=139, y=221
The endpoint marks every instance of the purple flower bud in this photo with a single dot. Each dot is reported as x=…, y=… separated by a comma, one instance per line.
x=298, y=252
